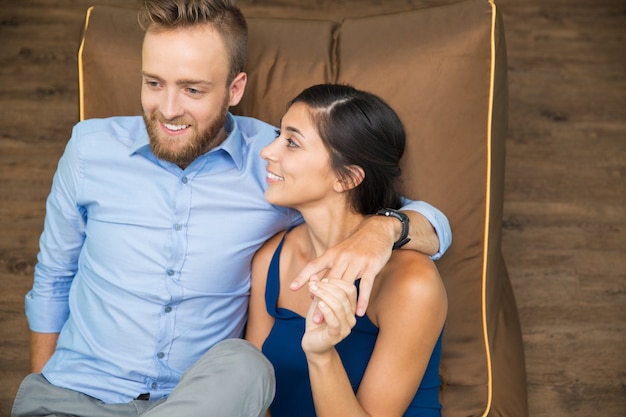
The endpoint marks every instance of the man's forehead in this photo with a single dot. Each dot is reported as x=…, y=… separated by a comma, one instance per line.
x=205, y=31
x=192, y=42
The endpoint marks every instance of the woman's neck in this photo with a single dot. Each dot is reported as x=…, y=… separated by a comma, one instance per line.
x=328, y=225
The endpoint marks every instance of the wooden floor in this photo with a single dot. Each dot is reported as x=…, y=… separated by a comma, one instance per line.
x=565, y=212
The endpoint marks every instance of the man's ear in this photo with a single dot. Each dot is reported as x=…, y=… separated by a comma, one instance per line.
x=236, y=88
x=355, y=177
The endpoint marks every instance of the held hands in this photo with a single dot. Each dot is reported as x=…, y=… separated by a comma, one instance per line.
x=362, y=255
x=336, y=301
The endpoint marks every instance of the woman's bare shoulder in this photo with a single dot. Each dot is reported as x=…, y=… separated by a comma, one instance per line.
x=268, y=248
x=411, y=268
x=410, y=282
x=292, y=239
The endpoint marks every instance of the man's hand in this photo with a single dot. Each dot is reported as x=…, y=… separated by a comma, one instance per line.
x=362, y=255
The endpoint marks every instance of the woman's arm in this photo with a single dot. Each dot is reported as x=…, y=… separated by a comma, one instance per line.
x=259, y=321
x=332, y=392
x=409, y=307
x=410, y=310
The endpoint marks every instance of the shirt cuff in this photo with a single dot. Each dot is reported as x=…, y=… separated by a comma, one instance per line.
x=45, y=316
x=437, y=219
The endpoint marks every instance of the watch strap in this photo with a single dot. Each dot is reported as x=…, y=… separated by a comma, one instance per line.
x=404, y=219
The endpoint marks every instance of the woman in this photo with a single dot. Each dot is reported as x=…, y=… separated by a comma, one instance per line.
x=336, y=160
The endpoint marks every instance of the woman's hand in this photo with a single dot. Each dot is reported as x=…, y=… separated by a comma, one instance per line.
x=361, y=255
x=335, y=299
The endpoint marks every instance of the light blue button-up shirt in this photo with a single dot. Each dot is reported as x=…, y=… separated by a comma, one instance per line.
x=143, y=266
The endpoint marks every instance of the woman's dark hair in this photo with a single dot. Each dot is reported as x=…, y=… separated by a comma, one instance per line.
x=359, y=128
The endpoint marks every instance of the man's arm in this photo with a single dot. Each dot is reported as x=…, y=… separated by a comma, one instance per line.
x=368, y=249
x=429, y=228
x=422, y=235
x=46, y=304
x=42, y=346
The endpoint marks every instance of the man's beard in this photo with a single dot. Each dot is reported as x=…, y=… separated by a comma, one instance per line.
x=194, y=146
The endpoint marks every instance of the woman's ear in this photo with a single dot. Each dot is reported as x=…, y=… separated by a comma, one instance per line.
x=355, y=176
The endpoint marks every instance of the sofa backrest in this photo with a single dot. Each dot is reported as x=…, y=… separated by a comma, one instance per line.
x=444, y=71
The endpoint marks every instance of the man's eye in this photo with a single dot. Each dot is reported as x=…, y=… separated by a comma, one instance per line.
x=151, y=83
x=193, y=91
x=277, y=133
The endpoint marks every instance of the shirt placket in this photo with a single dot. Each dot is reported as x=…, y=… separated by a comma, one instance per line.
x=175, y=254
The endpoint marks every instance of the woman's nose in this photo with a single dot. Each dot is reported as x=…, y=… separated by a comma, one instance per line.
x=268, y=153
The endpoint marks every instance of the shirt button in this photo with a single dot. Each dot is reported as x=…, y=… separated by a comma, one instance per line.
x=153, y=385
x=178, y=227
x=160, y=355
x=168, y=309
x=184, y=180
x=170, y=272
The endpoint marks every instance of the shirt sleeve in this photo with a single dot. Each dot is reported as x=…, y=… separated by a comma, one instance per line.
x=438, y=220
x=60, y=244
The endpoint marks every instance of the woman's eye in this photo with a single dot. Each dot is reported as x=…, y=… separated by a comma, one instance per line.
x=291, y=143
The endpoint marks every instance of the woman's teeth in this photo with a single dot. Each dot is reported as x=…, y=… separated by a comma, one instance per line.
x=274, y=177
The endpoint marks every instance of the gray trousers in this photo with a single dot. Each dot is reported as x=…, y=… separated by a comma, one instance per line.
x=232, y=379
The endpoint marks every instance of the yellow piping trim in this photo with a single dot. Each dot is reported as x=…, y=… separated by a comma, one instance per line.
x=81, y=79
x=487, y=208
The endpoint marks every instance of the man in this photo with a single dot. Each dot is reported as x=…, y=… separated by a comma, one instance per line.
x=151, y=225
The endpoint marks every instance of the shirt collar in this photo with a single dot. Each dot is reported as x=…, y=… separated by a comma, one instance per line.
x=233, y=145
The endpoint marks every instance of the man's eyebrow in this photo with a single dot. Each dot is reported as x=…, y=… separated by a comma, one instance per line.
x=194, y=82
x=148, y=75
x=180, y=82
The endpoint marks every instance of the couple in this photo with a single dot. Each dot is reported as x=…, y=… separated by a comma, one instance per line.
x=143, y=277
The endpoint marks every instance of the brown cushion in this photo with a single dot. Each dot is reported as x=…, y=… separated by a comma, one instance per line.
x=109, y=63
x=444, y=70
x=279, y=67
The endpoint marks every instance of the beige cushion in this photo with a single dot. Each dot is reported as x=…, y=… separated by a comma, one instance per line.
x=444, y=70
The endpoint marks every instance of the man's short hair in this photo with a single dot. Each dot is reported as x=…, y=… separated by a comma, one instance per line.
x=223, y=15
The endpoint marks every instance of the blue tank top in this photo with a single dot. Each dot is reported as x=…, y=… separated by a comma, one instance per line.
x=293, y=390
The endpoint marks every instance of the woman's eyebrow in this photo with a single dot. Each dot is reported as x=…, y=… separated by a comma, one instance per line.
x=295, y=130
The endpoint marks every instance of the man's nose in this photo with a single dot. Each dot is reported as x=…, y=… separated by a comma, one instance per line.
x=170, y=105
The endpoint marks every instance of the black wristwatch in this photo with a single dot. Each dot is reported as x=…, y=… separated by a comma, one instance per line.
x=404, y=219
